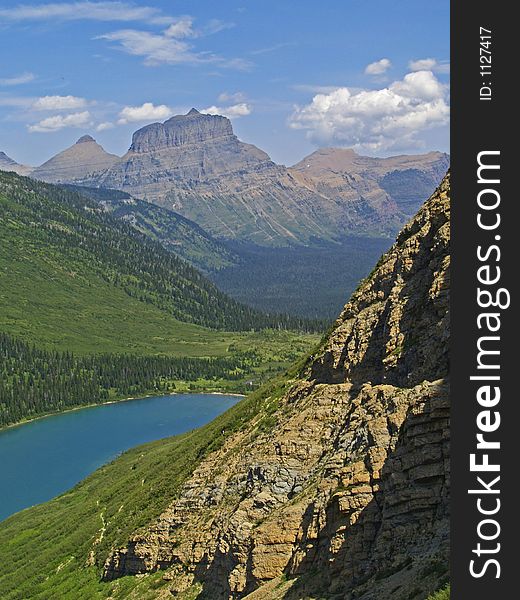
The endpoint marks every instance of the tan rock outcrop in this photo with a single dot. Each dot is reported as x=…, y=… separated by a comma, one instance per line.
x=8, y=164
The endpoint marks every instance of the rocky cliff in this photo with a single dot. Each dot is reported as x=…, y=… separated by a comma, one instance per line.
x=195, y=165
x=76, y=163
x=339, y=488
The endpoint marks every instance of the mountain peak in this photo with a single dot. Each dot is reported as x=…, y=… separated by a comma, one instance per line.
x=5, y=157
x=85, y=138
x=76, y=162
x=180, y=130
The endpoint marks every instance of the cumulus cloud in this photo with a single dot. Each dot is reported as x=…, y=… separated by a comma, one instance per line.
x=57, y=122
x=92, y=11
x=376, y=120
x=145, y=112
x=104, y=126
x=429, y=64
x=59, y=103
x=379, y=67
x=18, y=79
x=234, y=111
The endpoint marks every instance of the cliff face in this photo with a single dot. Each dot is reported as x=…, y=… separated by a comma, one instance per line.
x=182, y=130
x=340, y=488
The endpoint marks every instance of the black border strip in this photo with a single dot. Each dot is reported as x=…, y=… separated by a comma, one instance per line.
x=481, y=125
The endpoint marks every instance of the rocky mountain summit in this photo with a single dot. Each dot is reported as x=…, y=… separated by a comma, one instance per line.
x=76, y=163
x=9, y=164
x=195, y=165
x=339, y=487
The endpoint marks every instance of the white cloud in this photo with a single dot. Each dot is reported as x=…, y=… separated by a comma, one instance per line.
x=92, y=11
x=155, y=48
x=234, y=111
x=376, y=120
x=51, y=124
x=104, y=126
x=18, y=79
x=168, y=47
x=181, y=29
x=59, y=103
x=429, y=64
x=145, y=112
x=379, y=67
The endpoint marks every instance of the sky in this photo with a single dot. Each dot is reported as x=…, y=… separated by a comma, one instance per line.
x=372, y=75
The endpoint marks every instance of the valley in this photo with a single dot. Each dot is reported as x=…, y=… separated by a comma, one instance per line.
x=92, y=310
x=308, y=281
x=347, y=452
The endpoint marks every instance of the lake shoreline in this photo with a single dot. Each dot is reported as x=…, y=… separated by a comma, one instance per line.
x=130, y=398
x=52, y=455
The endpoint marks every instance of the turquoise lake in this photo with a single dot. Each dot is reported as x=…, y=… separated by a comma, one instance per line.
x=46, y=457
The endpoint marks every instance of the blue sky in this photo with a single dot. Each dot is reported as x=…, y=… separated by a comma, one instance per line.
x=292, y=76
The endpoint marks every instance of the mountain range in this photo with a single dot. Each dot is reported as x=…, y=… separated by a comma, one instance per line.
x=195, y=165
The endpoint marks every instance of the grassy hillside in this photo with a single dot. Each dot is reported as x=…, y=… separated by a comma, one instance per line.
x=56, y=550
x=64, y=262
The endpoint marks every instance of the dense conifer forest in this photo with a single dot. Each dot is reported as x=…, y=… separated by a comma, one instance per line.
x=35, y=381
